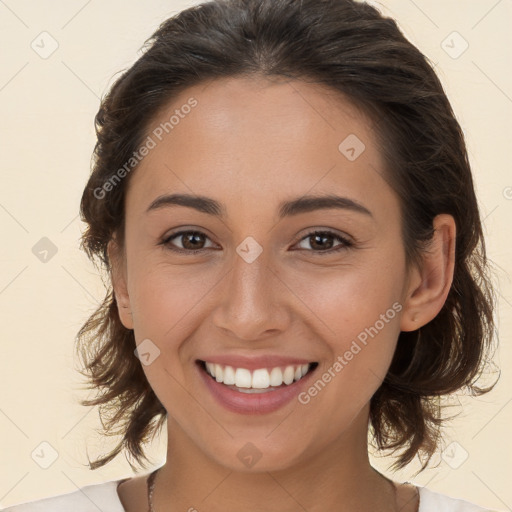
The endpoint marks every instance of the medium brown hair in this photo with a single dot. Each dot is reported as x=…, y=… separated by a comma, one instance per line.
x=355, y=50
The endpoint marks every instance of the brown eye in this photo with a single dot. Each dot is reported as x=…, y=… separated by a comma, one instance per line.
x=322, y=242
x=191, y=241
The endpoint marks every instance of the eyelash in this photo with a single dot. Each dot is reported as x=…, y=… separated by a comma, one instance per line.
x=346, y=244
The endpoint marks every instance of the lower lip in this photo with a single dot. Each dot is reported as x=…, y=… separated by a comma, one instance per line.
x=253, y=403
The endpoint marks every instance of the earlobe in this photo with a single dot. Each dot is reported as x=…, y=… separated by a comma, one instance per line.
x=118, y=277
x=430, y=284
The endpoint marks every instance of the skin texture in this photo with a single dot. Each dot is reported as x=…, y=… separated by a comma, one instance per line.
x=250, y=144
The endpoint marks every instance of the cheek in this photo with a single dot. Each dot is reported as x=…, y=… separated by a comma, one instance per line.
x=343, y=302
x=357, y=316
x=360, y=359
x=162, y=297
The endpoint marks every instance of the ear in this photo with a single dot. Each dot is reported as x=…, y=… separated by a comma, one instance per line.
x=429, y=285
x=118, y=275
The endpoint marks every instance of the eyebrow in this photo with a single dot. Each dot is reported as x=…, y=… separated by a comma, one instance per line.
x=288, y=208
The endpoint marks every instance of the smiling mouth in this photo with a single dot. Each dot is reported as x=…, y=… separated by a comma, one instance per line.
x=261, y=380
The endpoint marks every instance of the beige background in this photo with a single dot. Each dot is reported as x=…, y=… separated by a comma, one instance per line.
x=47, y=109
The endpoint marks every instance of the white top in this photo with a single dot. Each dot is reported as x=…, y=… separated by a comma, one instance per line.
x=104, y=497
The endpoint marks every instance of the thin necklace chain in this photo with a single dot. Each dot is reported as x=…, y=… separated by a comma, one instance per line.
x=151, y=489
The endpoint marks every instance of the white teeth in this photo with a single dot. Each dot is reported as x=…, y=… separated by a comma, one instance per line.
x=229, y=375
x=276, y=377
x=258, y=379
x=288, y=374
x=219, y=373
x=242, y=378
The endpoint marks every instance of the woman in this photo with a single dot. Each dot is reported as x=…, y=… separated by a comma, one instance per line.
x=282, y=199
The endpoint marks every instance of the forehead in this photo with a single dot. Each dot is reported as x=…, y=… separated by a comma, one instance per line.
x=254, y=138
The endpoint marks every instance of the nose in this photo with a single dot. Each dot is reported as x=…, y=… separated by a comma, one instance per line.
x=252, y=302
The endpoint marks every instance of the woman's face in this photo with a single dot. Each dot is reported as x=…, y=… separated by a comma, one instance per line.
x=264, y=291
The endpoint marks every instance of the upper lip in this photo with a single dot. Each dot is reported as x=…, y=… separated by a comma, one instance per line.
x=255, y=362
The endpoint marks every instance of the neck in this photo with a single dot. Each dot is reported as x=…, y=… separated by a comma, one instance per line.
x=338, y=477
